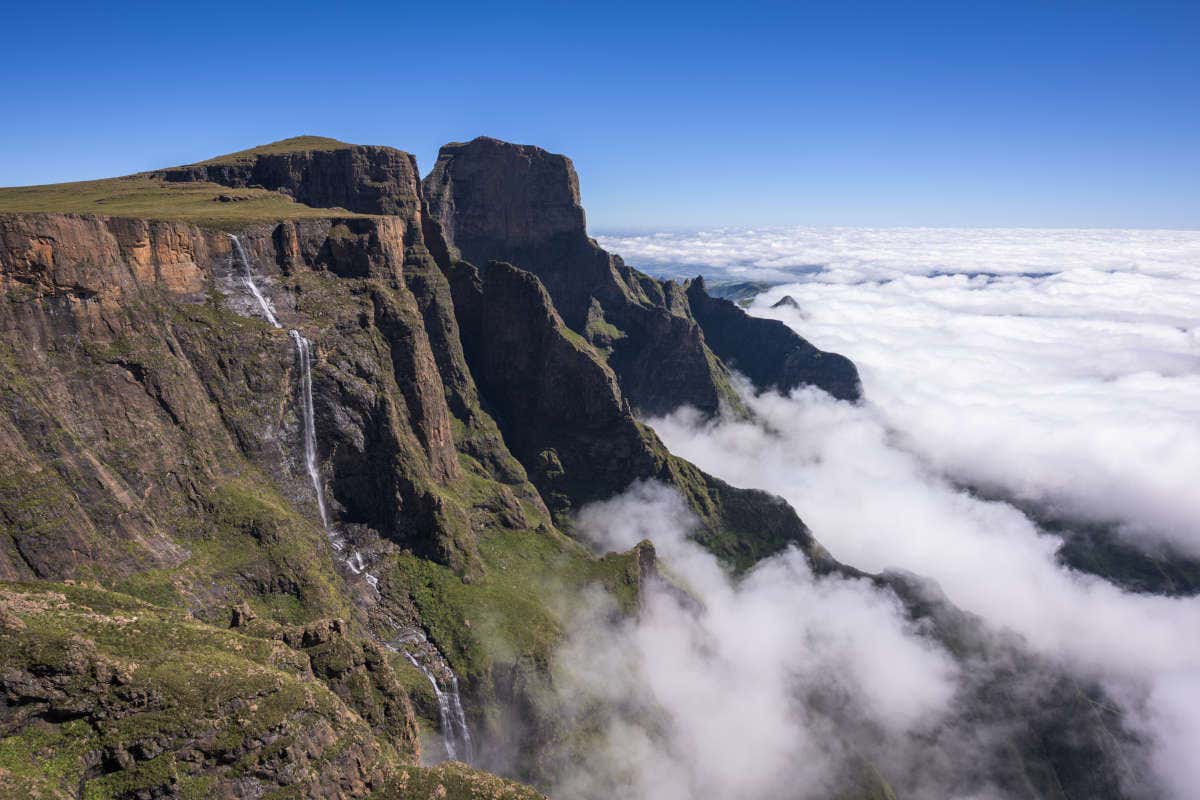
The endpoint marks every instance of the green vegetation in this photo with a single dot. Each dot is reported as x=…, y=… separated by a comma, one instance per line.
x=296, y=144
x=516, y=608
x=148, y=197
x=251, y=536
x=452, y=781
x=101, y=677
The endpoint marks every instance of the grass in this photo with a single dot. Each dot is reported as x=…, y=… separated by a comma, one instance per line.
x=147, y=197
x=516, y=609
x=452, y=781
x=296, y=144
x=198, y=686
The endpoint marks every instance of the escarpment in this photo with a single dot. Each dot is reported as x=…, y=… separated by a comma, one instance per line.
x=669, y=347
x=476, y=364
x=520, y=204
x=317, y=172
x=564, y=416
x=454, y=368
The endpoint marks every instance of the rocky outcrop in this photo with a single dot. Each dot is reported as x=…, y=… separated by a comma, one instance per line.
x=563, y=413
x=126, y=699
x=101, y=259
x=318, y=172
x=767, y=351
x=519, y=204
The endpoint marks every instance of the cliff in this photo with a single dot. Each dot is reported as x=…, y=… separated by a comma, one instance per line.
x=264, y=501
x=496, y=201
x=318, y=172
x=768, y=352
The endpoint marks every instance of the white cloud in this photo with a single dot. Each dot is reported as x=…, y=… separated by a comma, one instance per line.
x=715, y=702
x=1078, y=389
x=1068, y=375
x=880, y=253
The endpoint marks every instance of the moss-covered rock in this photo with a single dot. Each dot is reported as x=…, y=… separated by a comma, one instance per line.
x=106, y=696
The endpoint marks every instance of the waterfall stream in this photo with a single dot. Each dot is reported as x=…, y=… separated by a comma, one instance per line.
x=456, y=735
x=451, y=719
x=248, y=279
x=354, y=560
x=304, y=355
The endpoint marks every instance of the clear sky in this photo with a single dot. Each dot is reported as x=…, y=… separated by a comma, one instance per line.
x=677, y=115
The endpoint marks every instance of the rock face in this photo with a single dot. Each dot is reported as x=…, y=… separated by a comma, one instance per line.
x=101, y=260
x=200, y=381
x=562, y=412
x=365, y=179
x=768, y=352
x=519, y=204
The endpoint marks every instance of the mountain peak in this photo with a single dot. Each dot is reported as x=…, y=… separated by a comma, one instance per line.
x=294, y=144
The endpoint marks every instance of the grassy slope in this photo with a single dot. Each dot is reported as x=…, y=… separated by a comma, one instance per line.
x=248, y=697
x=452, y=781
x=296, y=144
x=148, y=197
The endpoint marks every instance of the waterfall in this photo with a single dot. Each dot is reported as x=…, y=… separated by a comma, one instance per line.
x=453, y=722
x=421, y=653
x=248, y=279
x=303, y=353
x=460, y=718
x=354, y=561
x=455, y=734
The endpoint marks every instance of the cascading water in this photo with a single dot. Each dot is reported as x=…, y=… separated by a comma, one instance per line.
x=248, y=278
x=304, y=356
x=453, y=722
x=303, y=353
x=456, y=736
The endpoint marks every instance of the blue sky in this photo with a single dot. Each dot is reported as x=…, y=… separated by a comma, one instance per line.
x=677, y=114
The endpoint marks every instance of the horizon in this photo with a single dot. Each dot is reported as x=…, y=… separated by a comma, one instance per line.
x=998, y=116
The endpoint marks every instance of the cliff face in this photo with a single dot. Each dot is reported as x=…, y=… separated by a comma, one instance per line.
x=151, y=435
x=102, y=260
x=768, y=352
x=498, y=201
x=520, y=204
x=563, y=414
x=112, y=341
x=361, y=178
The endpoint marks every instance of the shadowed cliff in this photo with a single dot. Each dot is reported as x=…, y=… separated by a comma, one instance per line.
x=520, y=204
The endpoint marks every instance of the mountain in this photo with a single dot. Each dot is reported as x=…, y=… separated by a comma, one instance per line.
x=291, y=445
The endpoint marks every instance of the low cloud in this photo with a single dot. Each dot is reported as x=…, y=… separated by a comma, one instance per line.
x=736, y=689
x=871, y=254
x=1058, y=368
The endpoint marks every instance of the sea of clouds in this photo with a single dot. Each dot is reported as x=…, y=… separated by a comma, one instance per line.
x=1061, y=367
x=1058, y=368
